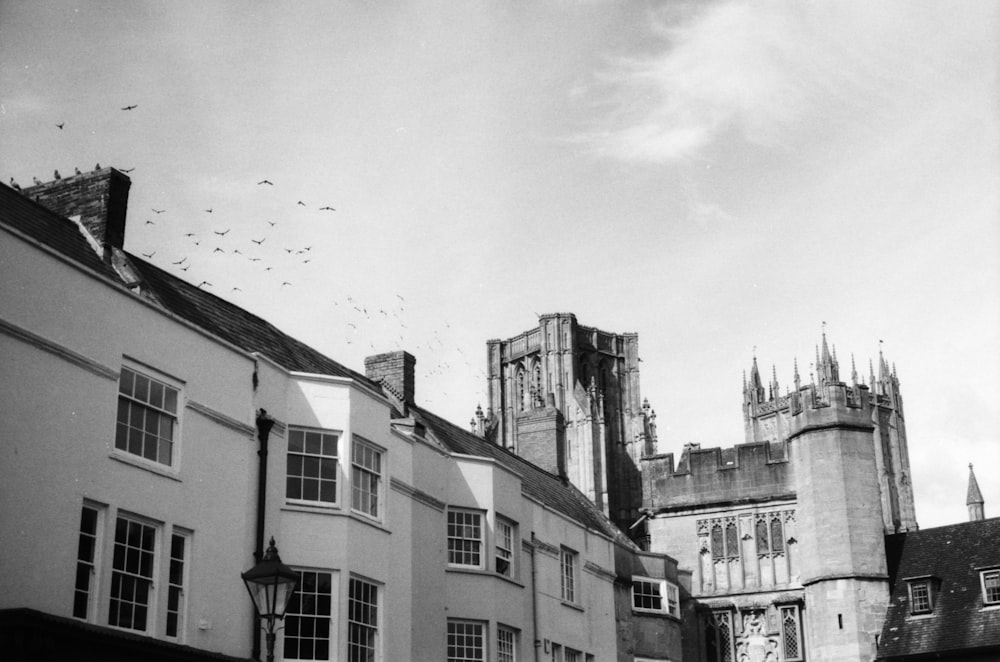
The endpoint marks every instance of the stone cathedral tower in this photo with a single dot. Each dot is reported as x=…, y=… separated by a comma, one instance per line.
x=784, y=533
x=566, y=397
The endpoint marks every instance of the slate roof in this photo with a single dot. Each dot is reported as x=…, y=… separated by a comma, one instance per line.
x=253, y=334
x=537, y=483
x=48, y=228
x=959, y=624
x=203, y=309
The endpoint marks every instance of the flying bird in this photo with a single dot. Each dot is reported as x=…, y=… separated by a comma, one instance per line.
x=285, y=283
x=204, y=282
x=325, y=208
x=61, y=125
x=236, y=289
x=126, y=170
x=218, y=250
x=255, y=259
x=223, y=233
x=264, y=181
x=189, y=234
x=133, y=107
x=148, y=222
x=272, y=223
x=159, y=211
x=186, y=268
x=181, y=261
x=302, y=203
x=208, y=211
x=258, y=241
x=149, y=256
x=236, y=251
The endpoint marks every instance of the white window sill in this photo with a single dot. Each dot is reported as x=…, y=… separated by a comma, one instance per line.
x=147, y=465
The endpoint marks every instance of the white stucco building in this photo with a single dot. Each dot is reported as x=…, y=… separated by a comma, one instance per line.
x=138, y=410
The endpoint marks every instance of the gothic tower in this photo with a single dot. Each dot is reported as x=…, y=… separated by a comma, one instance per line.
x=840, y=524
x=766, y=417
x=566, y=397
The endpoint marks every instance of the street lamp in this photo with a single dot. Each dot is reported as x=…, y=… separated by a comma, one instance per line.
x=270, y=584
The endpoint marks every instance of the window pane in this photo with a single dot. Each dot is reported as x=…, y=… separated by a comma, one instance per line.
x=307, y=621
x=311, y=473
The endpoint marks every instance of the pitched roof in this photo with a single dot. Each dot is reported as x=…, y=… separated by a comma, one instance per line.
x=954, y=555
x=203, y=309
x=549, y=489
x=46, y=227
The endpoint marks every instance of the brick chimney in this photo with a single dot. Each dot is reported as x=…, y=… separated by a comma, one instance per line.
x=395, y=371
x=99, y=198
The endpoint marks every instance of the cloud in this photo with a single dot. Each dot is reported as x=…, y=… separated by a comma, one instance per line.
x=763, y=72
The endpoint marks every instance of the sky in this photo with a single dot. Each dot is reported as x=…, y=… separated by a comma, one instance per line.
x=725, y=179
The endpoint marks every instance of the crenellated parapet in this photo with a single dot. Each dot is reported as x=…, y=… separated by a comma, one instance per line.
x=745, y=473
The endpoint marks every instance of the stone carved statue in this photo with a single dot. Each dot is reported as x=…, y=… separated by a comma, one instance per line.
x=753, y=644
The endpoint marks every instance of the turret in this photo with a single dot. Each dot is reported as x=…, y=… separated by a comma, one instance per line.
x=840, y=522
x=974, y=498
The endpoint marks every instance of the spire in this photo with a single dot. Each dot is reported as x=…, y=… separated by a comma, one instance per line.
x=774, y=382
x=974, y=498
x=854, y=371
x=754, y=372
x=798, y=380
x=826, y=363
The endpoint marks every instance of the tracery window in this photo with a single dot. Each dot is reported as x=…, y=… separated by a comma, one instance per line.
x=791, y=632
x=725, y=539
x=770, y=533
x=719, y=640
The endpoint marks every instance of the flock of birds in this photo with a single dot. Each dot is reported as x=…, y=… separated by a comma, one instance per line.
x=214, y=249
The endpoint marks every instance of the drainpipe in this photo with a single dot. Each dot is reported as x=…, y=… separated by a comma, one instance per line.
x=534, y=601
x=264, y=425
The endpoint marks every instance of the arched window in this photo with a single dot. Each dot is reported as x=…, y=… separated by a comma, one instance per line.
x=762, y=546
x=732, y=541
x=520, y=389
x=777, y=535
x=536, y=382
x=718, y=550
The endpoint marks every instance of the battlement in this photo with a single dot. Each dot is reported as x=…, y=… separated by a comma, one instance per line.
x=831, y=405
x=745, y=473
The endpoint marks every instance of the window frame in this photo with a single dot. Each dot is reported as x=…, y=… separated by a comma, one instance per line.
x=359, y=470
x=721, y=626
x=294, y=611
x=180, y=586
x=451, y=645
x=989, y=573
x=512, y=636
x=511, y=560
x=302, y=454
x=659, y=584
x=121, y=445
x=569, y=575
x=375, y=645
x=92, y=566
x=479, y=544
x=927, y=599
x=119, y=598
x=796, y=614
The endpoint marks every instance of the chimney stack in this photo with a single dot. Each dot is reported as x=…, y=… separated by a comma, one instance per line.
x=99, y=198
x=395, y=371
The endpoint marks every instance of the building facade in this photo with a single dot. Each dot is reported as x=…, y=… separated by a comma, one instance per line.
x=785, y=533
x=159, y=434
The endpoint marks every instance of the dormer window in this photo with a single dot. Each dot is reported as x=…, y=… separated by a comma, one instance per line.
x=990, y=580
x=921, y=595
